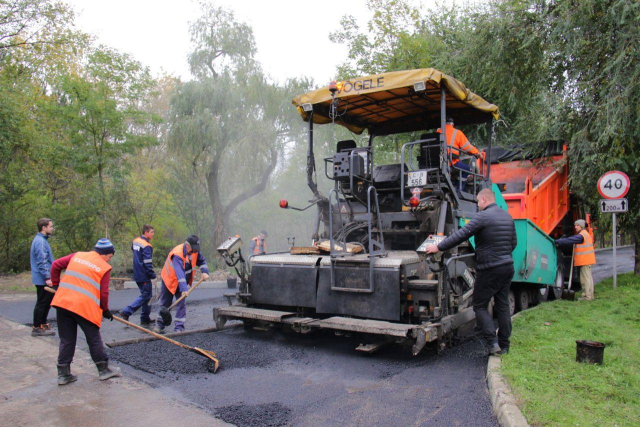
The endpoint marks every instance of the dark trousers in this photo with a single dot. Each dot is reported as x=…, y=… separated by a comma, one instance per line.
x=493, y=283
x=141, y=302
x=43, y=304
x=68, y=323
x=459, y=177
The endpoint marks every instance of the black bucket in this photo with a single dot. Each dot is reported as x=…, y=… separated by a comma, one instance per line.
x=232, y=282
x=589, y=352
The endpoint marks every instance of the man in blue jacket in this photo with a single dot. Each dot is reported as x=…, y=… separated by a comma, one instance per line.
x=143, y=274
x=41, y=260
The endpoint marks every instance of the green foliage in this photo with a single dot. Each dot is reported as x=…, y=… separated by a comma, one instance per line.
x=541, y=366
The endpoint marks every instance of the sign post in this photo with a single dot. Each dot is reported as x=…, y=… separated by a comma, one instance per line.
x=613, y=186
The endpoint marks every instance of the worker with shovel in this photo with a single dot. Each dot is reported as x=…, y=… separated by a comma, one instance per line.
x=584, y=256
x=82, y=299
x=177, y=276
x=143, y=274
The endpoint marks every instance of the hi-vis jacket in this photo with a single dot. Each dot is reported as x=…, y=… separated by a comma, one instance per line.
x=142, y=260
x=456, y=139
x=178, y=268
x=79, y=288
x=258, y=246
x=585, y=253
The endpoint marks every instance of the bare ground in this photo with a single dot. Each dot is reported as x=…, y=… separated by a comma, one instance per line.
x=13, y=283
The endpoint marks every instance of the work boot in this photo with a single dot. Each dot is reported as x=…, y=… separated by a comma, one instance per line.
x=494, y=350
x=147, y=323
x=105, y=372
x=158, y=329
x=64, y=375
x=123, y=315
x=41, y=332
x=503, y=351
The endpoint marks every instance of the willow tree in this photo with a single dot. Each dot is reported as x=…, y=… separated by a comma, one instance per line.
x=230, y=123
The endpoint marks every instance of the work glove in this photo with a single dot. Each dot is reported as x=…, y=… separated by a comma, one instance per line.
x=107, y=314
x=204, y=277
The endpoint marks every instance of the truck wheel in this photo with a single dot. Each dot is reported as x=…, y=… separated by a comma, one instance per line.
x=522, y=299
x=556, y=289
x=512, y=303
x=543, y=294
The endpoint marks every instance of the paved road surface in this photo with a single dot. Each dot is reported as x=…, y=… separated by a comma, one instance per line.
x=275, y=378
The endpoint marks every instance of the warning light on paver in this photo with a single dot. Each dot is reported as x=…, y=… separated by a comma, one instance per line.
x=284, y=204
x=414, y=202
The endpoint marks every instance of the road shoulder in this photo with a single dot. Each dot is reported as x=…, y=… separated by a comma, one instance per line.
x=31, y=396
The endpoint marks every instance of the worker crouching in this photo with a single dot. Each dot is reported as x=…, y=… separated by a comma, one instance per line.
x=177, y=277
x=82, y=299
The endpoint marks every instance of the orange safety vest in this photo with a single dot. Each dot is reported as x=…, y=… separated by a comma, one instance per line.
x=457, y=139
x=257, y=250
x=169, y=274
x=79, y=289
x=584, y=253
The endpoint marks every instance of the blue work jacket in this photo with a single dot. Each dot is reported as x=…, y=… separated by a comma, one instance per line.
x=41, y=260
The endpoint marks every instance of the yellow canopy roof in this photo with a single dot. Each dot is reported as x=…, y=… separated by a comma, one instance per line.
x=387, y=103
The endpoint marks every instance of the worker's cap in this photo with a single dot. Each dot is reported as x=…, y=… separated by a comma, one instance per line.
x=450, y=119
x=194, y=242
x=104, y=247
x=264, y=232
x=581, y=222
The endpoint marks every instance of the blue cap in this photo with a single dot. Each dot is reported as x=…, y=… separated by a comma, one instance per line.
x=104, y=247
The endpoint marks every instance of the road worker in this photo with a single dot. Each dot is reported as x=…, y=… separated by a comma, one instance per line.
x=495, y=238
x=456, y=140
x=584, y=256
x=258, y=244
x=177, y=276
x=41, y=258
x=143, y=274
x=82, y=299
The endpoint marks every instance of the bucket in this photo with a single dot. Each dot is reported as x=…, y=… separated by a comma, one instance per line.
x=589, y=352
x=232, y=282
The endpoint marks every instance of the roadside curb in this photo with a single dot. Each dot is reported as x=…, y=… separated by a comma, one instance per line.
x=505, y=406
x=610, y=248
x=504, y=403
x=203, y=285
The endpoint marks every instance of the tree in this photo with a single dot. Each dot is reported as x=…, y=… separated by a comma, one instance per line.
x=231, y=123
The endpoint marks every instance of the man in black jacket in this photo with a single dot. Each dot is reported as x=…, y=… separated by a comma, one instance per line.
x=495, y=239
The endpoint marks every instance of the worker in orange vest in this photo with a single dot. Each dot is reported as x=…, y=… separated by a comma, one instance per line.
x=177, y=276
x=584, y=256
x=258, y=244
x=457, y=141
x=82, y=299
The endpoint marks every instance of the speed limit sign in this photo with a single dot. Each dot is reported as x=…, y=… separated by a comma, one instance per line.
x=614, y=185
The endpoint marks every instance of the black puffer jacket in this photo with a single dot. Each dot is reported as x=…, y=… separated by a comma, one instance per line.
x=495, y=237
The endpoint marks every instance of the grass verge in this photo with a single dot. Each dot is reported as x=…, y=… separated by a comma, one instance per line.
x=552, y=388
x=12, y=283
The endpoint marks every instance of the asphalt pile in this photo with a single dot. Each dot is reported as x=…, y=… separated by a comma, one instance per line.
x=267, y=415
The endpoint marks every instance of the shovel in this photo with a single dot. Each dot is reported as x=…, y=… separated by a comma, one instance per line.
x=206, y=353
x=568, y=294
x=165, y=312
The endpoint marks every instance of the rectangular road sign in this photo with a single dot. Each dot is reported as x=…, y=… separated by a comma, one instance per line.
x=614, y=206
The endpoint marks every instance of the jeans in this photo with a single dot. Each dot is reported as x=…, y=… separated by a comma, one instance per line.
x=494, y=283
x=460, y=175
x=68, y=323
x=166, y=298
x=142, y=301
x=43, y=304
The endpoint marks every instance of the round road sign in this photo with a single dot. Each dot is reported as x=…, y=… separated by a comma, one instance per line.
x=614, y=185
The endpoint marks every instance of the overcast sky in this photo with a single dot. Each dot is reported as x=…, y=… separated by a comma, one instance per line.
x=292, y=35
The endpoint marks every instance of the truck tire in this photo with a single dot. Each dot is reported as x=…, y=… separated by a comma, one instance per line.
x=512, y=303
x=522, y=299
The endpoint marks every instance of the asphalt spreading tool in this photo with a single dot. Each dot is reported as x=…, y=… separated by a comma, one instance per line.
x=568, y=294
x=165, y=312
x=206, y=353
x=156, y=293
